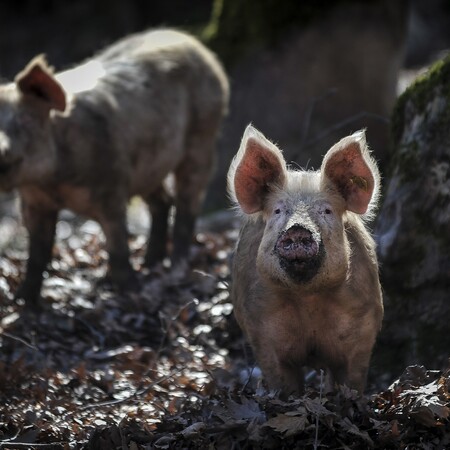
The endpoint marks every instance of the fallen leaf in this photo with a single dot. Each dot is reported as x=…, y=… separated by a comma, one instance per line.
x=287, y=425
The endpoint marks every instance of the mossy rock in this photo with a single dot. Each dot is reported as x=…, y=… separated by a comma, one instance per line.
x=413, y=227
x=436, y=81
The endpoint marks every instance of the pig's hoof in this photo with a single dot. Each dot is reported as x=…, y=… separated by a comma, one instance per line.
x=105, y=282
x=154, y=257
x=179, y=270
x=30, y=297
x=130, y=283
x=133, y=285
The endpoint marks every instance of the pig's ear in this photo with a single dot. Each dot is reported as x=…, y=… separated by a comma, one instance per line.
x=37, y=80
x=257, y=168
x=349, y=169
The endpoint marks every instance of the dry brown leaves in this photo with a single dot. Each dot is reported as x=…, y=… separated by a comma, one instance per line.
x=167, y=368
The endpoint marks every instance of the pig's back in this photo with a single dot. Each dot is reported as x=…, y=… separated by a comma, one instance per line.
x=170, y=56
x=154, y=42
x=150, y=70
x=145, y=94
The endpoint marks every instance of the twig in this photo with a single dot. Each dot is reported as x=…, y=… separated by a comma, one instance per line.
x=345, y=122
x=101, y=338
x=22, y=341
x=250, y=374
x=316, y=439
x=133, y=396
x=309, y=113
x=169, y=326
x=26, y=445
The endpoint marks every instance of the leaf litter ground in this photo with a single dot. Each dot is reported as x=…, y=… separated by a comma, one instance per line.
x=167, y=368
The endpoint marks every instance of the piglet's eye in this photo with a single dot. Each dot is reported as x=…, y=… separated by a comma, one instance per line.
x=327, y=211
x=278, y=211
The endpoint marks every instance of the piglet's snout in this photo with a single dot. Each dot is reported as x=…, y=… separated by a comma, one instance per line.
x=297, y=243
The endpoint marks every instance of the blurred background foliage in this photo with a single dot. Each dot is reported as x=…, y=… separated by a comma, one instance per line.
x=71, y=31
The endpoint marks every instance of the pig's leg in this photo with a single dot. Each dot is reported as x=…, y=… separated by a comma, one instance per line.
x=192, y=177
x=159, y=204
x=352, y=372
x=280, y=374
x=113, y=222
x=358, y=368
x=41, y=225
x=288, y=378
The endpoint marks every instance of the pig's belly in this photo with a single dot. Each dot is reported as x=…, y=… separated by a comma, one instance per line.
x=77, y=199
x=151, y=170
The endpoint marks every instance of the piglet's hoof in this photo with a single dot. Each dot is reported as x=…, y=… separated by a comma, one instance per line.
x=132, y=284
x=129, y=283
x=30, y=297
x=179, y=271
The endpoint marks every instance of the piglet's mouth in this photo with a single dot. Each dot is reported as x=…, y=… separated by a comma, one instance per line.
x=300, y=253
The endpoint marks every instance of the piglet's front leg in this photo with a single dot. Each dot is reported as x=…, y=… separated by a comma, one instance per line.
x=122, y=275
x=41, y=225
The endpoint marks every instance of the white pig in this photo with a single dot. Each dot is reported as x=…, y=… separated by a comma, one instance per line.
x=305, y=283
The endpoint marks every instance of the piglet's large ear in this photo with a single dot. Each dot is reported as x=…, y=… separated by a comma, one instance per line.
x=349, y=168
x=37, y=80
x=256, y=169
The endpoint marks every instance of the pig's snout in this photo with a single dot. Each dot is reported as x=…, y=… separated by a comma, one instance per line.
x=297, y=243
x=300, y=253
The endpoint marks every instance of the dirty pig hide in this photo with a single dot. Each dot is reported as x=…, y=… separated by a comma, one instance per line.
x=89, y=138
x=305, y=284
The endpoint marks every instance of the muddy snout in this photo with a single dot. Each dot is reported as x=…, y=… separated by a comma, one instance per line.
x=300, y=253
x=297, y=243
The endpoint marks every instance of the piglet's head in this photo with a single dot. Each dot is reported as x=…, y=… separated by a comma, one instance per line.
x=25, y=110
x=304, y=242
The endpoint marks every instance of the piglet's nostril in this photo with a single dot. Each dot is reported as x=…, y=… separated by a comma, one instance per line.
x=287, y=243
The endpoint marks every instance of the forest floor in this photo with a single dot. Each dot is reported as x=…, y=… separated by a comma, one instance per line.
x=168, y=368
